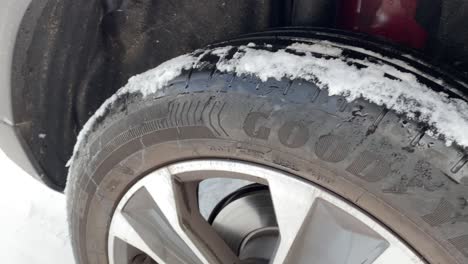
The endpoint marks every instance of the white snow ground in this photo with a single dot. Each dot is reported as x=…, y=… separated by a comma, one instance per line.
x=33, y=223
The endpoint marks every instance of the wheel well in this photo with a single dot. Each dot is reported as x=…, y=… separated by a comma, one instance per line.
x=73, y=54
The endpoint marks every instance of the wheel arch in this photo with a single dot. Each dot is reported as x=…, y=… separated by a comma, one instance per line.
x=72, y=55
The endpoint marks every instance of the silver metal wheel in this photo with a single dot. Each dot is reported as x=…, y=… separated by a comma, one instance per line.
x=288, y=221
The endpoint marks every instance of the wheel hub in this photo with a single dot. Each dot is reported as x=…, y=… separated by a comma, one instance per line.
x=247, y=223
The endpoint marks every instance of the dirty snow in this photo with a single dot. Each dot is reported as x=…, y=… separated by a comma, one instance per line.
x=33, y=223
x=447, y=117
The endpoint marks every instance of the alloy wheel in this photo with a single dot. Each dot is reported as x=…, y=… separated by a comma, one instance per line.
x=283, y=219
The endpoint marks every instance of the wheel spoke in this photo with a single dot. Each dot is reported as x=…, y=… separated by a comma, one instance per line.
x=178, y=202
x=148, y=221
x=200, y=231
x=123, y=230
x=141, y=223
x=312, y=228
x=395, y=254
x=292, y=200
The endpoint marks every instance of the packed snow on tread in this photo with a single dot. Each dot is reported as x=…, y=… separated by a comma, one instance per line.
x=446, y=116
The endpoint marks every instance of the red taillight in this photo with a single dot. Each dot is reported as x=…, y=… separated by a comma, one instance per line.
x=392, y=19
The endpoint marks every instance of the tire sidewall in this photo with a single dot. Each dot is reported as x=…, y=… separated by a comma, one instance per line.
x=309, y=141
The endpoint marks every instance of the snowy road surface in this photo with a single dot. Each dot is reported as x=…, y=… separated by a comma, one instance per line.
x=33, y=225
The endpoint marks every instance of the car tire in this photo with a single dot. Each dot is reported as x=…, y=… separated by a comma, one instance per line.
x=376, y=159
